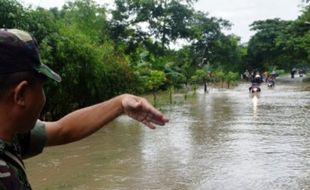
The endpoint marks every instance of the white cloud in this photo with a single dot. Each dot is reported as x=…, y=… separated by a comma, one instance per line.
x=241, y=13
x=43, y=3
x=56, y=3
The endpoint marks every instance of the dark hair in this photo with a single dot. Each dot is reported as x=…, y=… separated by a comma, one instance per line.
x=11, y=79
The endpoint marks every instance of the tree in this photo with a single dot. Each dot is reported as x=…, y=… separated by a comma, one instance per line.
x=200, y=76
x=278, y=43
x=90, y=73
x=12, y=14
x=165, y=20
x=174, y=77
x=88, y=17
x=231, y=77
x=41, y=23
x=220, y=75
x=262, y=47
x=211, y=46
x=150, y=79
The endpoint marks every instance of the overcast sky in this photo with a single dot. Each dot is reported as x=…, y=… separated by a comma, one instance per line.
x=241, y=13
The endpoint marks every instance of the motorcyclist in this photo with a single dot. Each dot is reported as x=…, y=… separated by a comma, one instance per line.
x=257, y=79
x=270, y=81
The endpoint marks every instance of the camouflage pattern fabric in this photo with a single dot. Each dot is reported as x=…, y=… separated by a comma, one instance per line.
x=12, y=173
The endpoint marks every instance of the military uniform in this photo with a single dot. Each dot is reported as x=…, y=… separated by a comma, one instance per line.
x=12, y=170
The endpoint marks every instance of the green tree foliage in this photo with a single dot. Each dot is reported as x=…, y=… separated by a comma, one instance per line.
x=262, y=47
x=211, y=46
x=74, y=42
x=77, y=60
x=231, y=77
x=101, y=55
x=304, y=19
x=88, y=17
x=154, y=79
x=149, y=72
x=174, y=75
x=220, y=75
x=279, y=43
x=41, y=23
x=200, y=77
x=206, y=35
x=165, y=20
x=12, y=14
x=90, y=73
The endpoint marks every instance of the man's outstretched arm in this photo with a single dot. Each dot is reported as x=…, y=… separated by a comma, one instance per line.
x=84, y=122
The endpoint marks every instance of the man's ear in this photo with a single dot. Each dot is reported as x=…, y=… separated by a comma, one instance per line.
x=20, y=93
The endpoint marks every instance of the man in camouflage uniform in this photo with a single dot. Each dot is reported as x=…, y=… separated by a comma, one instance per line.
x=22, y=98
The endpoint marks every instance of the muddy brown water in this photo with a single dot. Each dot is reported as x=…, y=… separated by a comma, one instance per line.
x=221, y=140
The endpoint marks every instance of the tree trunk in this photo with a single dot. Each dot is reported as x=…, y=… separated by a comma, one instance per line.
x=170, y=94
x=154, y=99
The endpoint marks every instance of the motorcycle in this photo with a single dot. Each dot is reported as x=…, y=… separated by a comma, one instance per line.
x=270, y=83
x=254, y=90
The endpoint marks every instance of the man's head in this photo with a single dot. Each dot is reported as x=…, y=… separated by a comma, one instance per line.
x=21, y=79
x=20, y=60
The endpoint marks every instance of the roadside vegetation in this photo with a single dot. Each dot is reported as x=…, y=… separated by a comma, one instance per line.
x=102, y=52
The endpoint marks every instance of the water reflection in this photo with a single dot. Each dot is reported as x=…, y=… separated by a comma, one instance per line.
x=221, y=140
x=254, y=101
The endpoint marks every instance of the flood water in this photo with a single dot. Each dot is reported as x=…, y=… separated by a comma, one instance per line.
x=221, y=140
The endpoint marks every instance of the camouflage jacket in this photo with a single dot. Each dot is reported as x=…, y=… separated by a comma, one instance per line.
x=12, y=169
